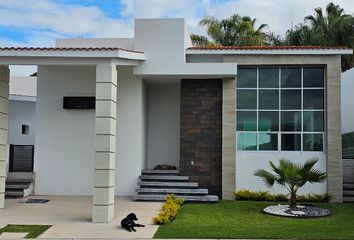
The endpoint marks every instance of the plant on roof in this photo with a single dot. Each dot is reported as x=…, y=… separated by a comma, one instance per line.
x=292, y=176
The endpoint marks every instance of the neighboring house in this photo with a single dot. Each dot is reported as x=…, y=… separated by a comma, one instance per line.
x=217, y=113
x=347, y=101
x=22, y=110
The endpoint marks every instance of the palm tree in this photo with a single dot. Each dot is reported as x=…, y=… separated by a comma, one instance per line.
x=232, y=31
x=335, y=28
x=291, y=176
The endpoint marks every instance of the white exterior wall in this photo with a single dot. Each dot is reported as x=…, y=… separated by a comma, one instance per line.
x=130, y=131
x=347, y=101
x=247, y=162
x=21, y=112
x=127, y=43
x=65, y=139
x=163, y=144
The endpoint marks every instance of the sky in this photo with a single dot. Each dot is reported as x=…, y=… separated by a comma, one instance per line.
x=39, y=22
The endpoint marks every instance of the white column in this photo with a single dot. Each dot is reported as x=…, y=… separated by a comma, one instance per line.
x=105, y=128
x=4, y=109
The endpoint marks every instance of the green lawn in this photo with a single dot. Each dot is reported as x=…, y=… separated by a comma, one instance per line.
x=239, y=219
x=32, y=230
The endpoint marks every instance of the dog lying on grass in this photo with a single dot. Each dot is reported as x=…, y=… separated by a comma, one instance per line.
x=129, y=222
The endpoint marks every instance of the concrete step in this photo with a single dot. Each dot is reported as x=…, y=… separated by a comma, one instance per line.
x=348, y=186
x=348, y=192
x=160, y=172
x=168, y=184
x=164, y=178
x=14, y=193
x=188, y=198
x=348, y=199
x=194, y=191
x=17, y=186
x=18, y=180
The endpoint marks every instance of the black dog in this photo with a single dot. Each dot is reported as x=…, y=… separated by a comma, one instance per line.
x=129, y=222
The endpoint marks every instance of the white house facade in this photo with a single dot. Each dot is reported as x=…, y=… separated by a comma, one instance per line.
x=216, y=113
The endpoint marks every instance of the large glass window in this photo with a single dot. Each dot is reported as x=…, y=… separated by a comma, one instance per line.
x=246, y=121
x=280, y=108
x=247, y=78
x=269, y=77
x=268, y=121
x=246, y=99
x=268, y=99
x=246, y=141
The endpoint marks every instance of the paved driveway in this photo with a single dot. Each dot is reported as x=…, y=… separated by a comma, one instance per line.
x=71, y=217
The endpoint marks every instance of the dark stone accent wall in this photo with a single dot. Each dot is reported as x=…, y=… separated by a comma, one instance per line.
x=201, y=132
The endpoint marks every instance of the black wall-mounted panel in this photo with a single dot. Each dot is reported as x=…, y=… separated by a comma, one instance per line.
x=79, y=102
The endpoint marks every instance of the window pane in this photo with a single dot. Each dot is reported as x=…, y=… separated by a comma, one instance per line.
x=268, y=121
x=268, y=77
x=291, y=121
x=247, y=78
x=246, y=99
x=313, y=121
x=313, y=142
x=291, y=142
x=246, y=141
x=313, y=99
x=268, y=141
x=291, y=77
x=313, y=77
x=290, y=99
x=268, y=99
x=246, y=121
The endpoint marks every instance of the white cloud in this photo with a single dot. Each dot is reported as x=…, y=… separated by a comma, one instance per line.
x=44, y=20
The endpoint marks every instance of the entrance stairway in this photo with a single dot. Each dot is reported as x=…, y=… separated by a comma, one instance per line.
x=348, y=180
x=19, y=184
x=154, y=185
x=348, y=192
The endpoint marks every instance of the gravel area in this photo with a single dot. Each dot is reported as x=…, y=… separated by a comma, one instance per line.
x=301, y=211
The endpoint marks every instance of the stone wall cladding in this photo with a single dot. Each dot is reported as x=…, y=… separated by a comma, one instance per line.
x=201, y=132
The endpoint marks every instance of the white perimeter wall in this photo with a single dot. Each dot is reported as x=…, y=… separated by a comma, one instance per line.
x=163, y=124
x=65, y=146
x=348, y=101
x=248, y=162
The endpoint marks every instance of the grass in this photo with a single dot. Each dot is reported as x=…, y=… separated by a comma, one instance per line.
x=239, y=219
x=32, y=230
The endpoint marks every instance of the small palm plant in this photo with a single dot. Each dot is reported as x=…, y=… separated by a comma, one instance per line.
x=291, y=176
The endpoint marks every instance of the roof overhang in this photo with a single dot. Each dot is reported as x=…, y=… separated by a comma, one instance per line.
x=15, y=97
x=70, y=55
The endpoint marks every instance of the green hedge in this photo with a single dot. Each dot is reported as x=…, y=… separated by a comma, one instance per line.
x=247, y=195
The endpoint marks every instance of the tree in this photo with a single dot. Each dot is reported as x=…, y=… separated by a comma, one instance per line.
x=335, y=28
x=291, y=176
x=232, y=31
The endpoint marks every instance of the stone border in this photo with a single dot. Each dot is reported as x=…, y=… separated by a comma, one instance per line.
x=285, y=211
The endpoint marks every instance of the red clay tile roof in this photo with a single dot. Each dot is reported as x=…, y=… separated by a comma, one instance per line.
x=65, y=49
x=269, y=48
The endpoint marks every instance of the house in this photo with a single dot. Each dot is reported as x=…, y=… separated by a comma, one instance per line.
x=21, y=125
x=217, y=113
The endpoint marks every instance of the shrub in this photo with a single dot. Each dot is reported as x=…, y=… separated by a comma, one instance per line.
x=247, y=195
x=169, y=209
